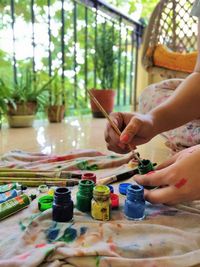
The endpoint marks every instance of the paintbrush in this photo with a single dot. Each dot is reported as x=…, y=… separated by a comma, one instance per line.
x=5, y=172
x=114, y=126
x=37, y=182
x=118, y=177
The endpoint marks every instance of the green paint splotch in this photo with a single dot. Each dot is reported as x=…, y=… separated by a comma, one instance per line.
x=97, y=261
x=69, y=235
x=84, y=165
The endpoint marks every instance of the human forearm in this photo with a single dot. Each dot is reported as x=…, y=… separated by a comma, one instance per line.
x=181, y=107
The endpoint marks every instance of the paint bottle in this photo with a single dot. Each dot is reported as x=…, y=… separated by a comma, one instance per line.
x=100, y=209
x=7, y=187
x=114, y=201
x=84, y=195
x=89, y=176
x=14, y=205
x=134, y=207
x=9, y=195
x=145, y=167
x=123, y=188
x=62, y=205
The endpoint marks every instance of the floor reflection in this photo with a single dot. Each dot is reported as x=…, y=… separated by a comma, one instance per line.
x=73, y=133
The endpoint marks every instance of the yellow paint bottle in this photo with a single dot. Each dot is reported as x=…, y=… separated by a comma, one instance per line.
x=101, y=204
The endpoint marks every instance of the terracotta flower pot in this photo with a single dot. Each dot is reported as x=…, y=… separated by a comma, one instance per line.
x=24, y=108
x=56, y=113
x=106, y=98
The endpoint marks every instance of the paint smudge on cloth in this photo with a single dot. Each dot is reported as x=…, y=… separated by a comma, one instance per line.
x=86, y=159
x=168, y=236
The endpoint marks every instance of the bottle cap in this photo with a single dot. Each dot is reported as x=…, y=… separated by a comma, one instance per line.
x=33, y=196
x=123, y=188
x=111, y=188
x=43, y=188
x=101, y=190
x=114, y=201
x=23, y=187
x=52, y=190
x=45, y=202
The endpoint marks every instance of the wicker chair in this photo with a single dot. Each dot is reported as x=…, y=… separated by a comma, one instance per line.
x=172, y=27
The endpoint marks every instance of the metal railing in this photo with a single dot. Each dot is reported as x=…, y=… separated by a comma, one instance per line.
x=72, y=31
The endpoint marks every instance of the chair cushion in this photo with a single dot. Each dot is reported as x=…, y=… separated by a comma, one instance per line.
x=165, y=58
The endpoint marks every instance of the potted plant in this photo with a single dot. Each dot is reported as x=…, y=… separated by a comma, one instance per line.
x=4, y=99
x=56, y=107
x=105, y=68
x=27, y=94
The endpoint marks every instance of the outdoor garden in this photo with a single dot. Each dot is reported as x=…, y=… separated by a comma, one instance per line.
x=53, y=51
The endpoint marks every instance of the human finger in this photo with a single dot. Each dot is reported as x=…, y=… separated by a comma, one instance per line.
x=131, y=130
x=166, y=163
x=153, y=178
x=164, y=195
x=117, y=148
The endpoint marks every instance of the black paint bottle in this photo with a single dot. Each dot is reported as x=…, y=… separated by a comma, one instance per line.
x=62, y=205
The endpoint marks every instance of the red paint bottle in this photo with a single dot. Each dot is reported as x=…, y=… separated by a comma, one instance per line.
x=89, y=176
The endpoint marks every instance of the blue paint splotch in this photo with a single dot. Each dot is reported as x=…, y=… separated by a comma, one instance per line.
x=52, y=233
x=83, y=230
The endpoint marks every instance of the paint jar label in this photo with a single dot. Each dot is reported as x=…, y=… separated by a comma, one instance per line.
x=101, y=210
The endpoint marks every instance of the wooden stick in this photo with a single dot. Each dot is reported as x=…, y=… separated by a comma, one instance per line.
x=114, y=126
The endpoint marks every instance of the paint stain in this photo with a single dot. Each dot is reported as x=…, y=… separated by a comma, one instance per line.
x=23, y=256
x=52, y=234
x=83, y=230
x=112, y=247
x=69, y=235
x=40, y=245
x=92, y=167
x=80, y=253
x=110, y=239
x=22, y=226
x=180, y=183
x=97, y=261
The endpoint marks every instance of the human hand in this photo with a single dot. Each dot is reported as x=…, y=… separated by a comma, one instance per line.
x=136, y=129
x=178, y=178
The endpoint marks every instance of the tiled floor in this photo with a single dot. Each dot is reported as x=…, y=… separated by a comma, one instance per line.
x=73, y=133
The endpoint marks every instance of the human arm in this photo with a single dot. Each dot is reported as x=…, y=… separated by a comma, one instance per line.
x=183, y=105
x=180, y=108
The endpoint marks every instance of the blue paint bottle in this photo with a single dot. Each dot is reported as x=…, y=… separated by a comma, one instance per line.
x=62, y=205
x=134, y=207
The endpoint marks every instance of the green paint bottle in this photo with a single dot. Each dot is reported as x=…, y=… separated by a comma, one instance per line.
x=14, y=205
x=84, y=195
x=145, y=167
